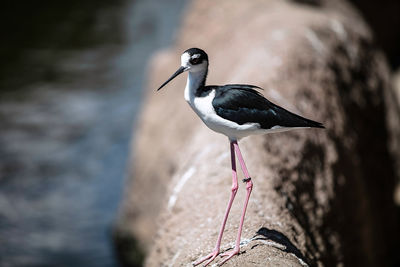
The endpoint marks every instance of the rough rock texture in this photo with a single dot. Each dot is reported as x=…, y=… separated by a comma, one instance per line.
x=383, y=17
x=320, y=197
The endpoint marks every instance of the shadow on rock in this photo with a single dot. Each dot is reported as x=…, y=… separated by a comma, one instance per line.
x=281, y=239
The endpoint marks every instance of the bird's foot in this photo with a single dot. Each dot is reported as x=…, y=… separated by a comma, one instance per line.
x=228, y=255
x=210, y=257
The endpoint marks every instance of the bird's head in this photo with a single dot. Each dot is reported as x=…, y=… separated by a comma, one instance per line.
x=192, y=60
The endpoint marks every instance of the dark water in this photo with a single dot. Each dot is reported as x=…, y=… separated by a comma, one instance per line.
x=71, y=80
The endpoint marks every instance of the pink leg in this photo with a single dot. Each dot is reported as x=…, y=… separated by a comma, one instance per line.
x=210, y=257
x=249, y=187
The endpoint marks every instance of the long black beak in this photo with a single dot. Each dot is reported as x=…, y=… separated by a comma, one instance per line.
x=179, y=71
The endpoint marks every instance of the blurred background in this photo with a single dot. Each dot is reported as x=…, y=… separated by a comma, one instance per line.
x=71, y=76
x=71, y=82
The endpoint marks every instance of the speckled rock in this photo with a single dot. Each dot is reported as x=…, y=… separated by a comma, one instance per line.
x=320, y=197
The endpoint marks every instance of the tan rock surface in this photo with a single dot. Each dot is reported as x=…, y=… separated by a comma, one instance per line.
x=321, y=197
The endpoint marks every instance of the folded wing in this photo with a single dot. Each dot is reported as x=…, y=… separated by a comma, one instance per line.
x=242, y=104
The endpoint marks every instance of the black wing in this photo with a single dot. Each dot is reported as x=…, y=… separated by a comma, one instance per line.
x=242, y=104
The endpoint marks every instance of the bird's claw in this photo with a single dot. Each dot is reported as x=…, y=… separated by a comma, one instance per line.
x=210, y=257
x=228, y=255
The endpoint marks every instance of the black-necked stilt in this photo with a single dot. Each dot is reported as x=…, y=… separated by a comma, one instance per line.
x=235, y=110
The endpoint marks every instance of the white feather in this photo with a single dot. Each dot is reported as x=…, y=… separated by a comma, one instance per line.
x=205, y=110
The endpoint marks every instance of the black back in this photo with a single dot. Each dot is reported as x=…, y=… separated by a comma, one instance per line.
x=242, y=104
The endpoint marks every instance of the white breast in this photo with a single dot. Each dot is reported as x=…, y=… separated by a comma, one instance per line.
x=205, y=110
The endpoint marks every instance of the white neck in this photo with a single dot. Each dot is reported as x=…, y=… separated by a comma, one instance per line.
x=193, y=82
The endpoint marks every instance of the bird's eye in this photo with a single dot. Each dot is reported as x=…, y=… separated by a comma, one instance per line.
x=194, y=61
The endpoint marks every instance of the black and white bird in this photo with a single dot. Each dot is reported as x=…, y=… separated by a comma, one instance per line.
x=235, y=110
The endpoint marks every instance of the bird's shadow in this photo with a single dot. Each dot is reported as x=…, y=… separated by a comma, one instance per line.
x=278, y=237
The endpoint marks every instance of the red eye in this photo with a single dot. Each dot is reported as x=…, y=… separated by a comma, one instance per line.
x=194, y=60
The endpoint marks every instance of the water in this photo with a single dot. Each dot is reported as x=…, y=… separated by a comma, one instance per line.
x=68, y=102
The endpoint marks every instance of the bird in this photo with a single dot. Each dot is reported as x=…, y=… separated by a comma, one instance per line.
x=236, y=111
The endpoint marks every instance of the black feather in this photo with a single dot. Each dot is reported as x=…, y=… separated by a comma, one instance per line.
x=242, y=104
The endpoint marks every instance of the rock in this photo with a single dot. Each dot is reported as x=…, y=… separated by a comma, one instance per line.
x=320, y=197
x=381, y=16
